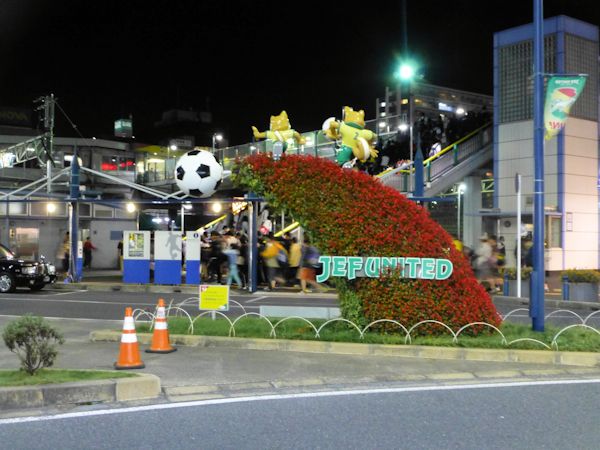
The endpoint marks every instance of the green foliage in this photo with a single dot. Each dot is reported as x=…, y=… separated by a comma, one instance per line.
x=578, y=339
x=351, y=305
x=34, y=340
x=349, y=213
x=54, y=376
x=512, y=272
x=582, y=275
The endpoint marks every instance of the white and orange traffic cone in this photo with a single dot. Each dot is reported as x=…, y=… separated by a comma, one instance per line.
x=129, y=353
x=160, y=337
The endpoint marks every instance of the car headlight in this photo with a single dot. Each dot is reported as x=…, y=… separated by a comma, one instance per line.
x=51, y=269
x=30, y=270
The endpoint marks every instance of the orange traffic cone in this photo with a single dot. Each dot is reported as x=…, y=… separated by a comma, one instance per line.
x=160, y=338
x=129, y=354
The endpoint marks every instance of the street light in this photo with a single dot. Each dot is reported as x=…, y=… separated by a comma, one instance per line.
x=217, y=207
x=217, y=137
x=405, y=74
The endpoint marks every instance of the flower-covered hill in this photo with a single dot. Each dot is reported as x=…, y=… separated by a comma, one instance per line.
x=349, y=213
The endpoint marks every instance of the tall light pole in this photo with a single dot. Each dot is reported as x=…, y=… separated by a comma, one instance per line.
x=406, y=73
x=537, y=282
x=216, y=137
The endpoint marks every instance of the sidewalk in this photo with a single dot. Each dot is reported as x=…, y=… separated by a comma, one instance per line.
x=225, y=369
x=112, y=280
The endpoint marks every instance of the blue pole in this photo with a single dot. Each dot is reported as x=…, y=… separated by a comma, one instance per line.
x=419, y=180
x=566, y=295
x=537, y=286
x=74, y=194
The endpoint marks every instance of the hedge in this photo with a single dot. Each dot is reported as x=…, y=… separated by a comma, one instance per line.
x=349, y=213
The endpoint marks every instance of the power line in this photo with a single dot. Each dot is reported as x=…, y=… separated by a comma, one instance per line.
x=73, y=125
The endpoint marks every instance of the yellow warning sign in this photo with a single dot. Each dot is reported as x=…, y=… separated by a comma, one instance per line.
x=214, y=297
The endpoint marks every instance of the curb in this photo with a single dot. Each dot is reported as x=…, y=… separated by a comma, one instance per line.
x=171, y=289
x=143, y=386
x=558, y=358
x=214, y=391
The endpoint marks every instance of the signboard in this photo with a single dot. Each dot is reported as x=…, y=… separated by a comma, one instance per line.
x=136, y=256
x=20, y=117
x=561, y=93
x=214, y=297
x=135, y=245
x=123, y=128
x=351, y=267
x=192, y=257
x=167, y=257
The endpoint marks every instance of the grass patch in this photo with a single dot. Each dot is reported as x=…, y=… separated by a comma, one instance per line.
x=54, y=376
x=575, y=339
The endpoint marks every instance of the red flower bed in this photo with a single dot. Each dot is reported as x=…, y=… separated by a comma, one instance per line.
x=348, y=213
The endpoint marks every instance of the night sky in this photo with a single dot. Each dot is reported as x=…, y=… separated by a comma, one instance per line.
x=108, y=59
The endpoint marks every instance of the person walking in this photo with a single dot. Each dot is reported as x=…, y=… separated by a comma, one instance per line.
x=232, y=254
x=295, y=252
x=275, y=257
x=309, y=263
x=120, y=253
x=87, y=253
x=64, y=252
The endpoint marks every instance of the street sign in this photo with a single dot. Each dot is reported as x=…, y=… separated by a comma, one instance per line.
x=214, y=298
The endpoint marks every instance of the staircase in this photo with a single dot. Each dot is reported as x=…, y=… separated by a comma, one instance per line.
x=447, y=167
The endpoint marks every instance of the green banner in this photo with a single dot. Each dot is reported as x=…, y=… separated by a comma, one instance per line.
x=561, y=94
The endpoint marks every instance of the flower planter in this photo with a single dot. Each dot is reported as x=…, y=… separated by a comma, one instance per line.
x=512, y=288
x=583, y=292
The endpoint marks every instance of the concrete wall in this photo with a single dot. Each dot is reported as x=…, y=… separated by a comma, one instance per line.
x=106, y=256
x=576, y=170
x=581, y=193
x=515, y=155
x=52, y=231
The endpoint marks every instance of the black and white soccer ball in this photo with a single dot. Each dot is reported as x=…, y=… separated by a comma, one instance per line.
x=198, y=173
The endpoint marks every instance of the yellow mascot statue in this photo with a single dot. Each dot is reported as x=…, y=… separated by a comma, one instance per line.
x=357, y=142
x=280, y=133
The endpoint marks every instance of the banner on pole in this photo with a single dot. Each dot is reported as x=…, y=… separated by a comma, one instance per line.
x=561, y=94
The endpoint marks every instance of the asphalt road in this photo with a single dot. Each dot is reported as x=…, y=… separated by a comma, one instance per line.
x=111, y=305
x=550, y=416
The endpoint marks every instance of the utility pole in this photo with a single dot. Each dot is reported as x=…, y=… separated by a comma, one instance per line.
x=46, y=106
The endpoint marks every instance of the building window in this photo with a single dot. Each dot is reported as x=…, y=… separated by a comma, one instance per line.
x=516, y=78
x=581, y=56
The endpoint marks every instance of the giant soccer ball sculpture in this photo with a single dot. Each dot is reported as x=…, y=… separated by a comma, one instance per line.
x=198, y=173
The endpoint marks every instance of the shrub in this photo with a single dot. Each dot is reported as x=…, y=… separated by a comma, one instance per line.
x=512, y=272
x=349, y=213
x=582, y=275
x=33, y=339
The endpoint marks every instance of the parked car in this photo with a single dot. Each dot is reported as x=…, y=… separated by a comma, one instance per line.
x=15, y=272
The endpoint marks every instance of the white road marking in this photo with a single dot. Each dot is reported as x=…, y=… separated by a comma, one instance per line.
x=67, y=318
x=47, y=299
x=71, y=292
x=256, y=299
x=222, y=401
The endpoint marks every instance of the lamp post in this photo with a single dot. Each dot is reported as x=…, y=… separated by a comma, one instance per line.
x=536, y=308
x=216, y=137
x=406, y=73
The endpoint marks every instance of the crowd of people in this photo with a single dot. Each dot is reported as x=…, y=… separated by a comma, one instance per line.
x=281, y=261
x=489, y=257
x=435, y=132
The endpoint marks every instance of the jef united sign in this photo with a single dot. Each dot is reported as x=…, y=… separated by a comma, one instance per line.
x=351, y=267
